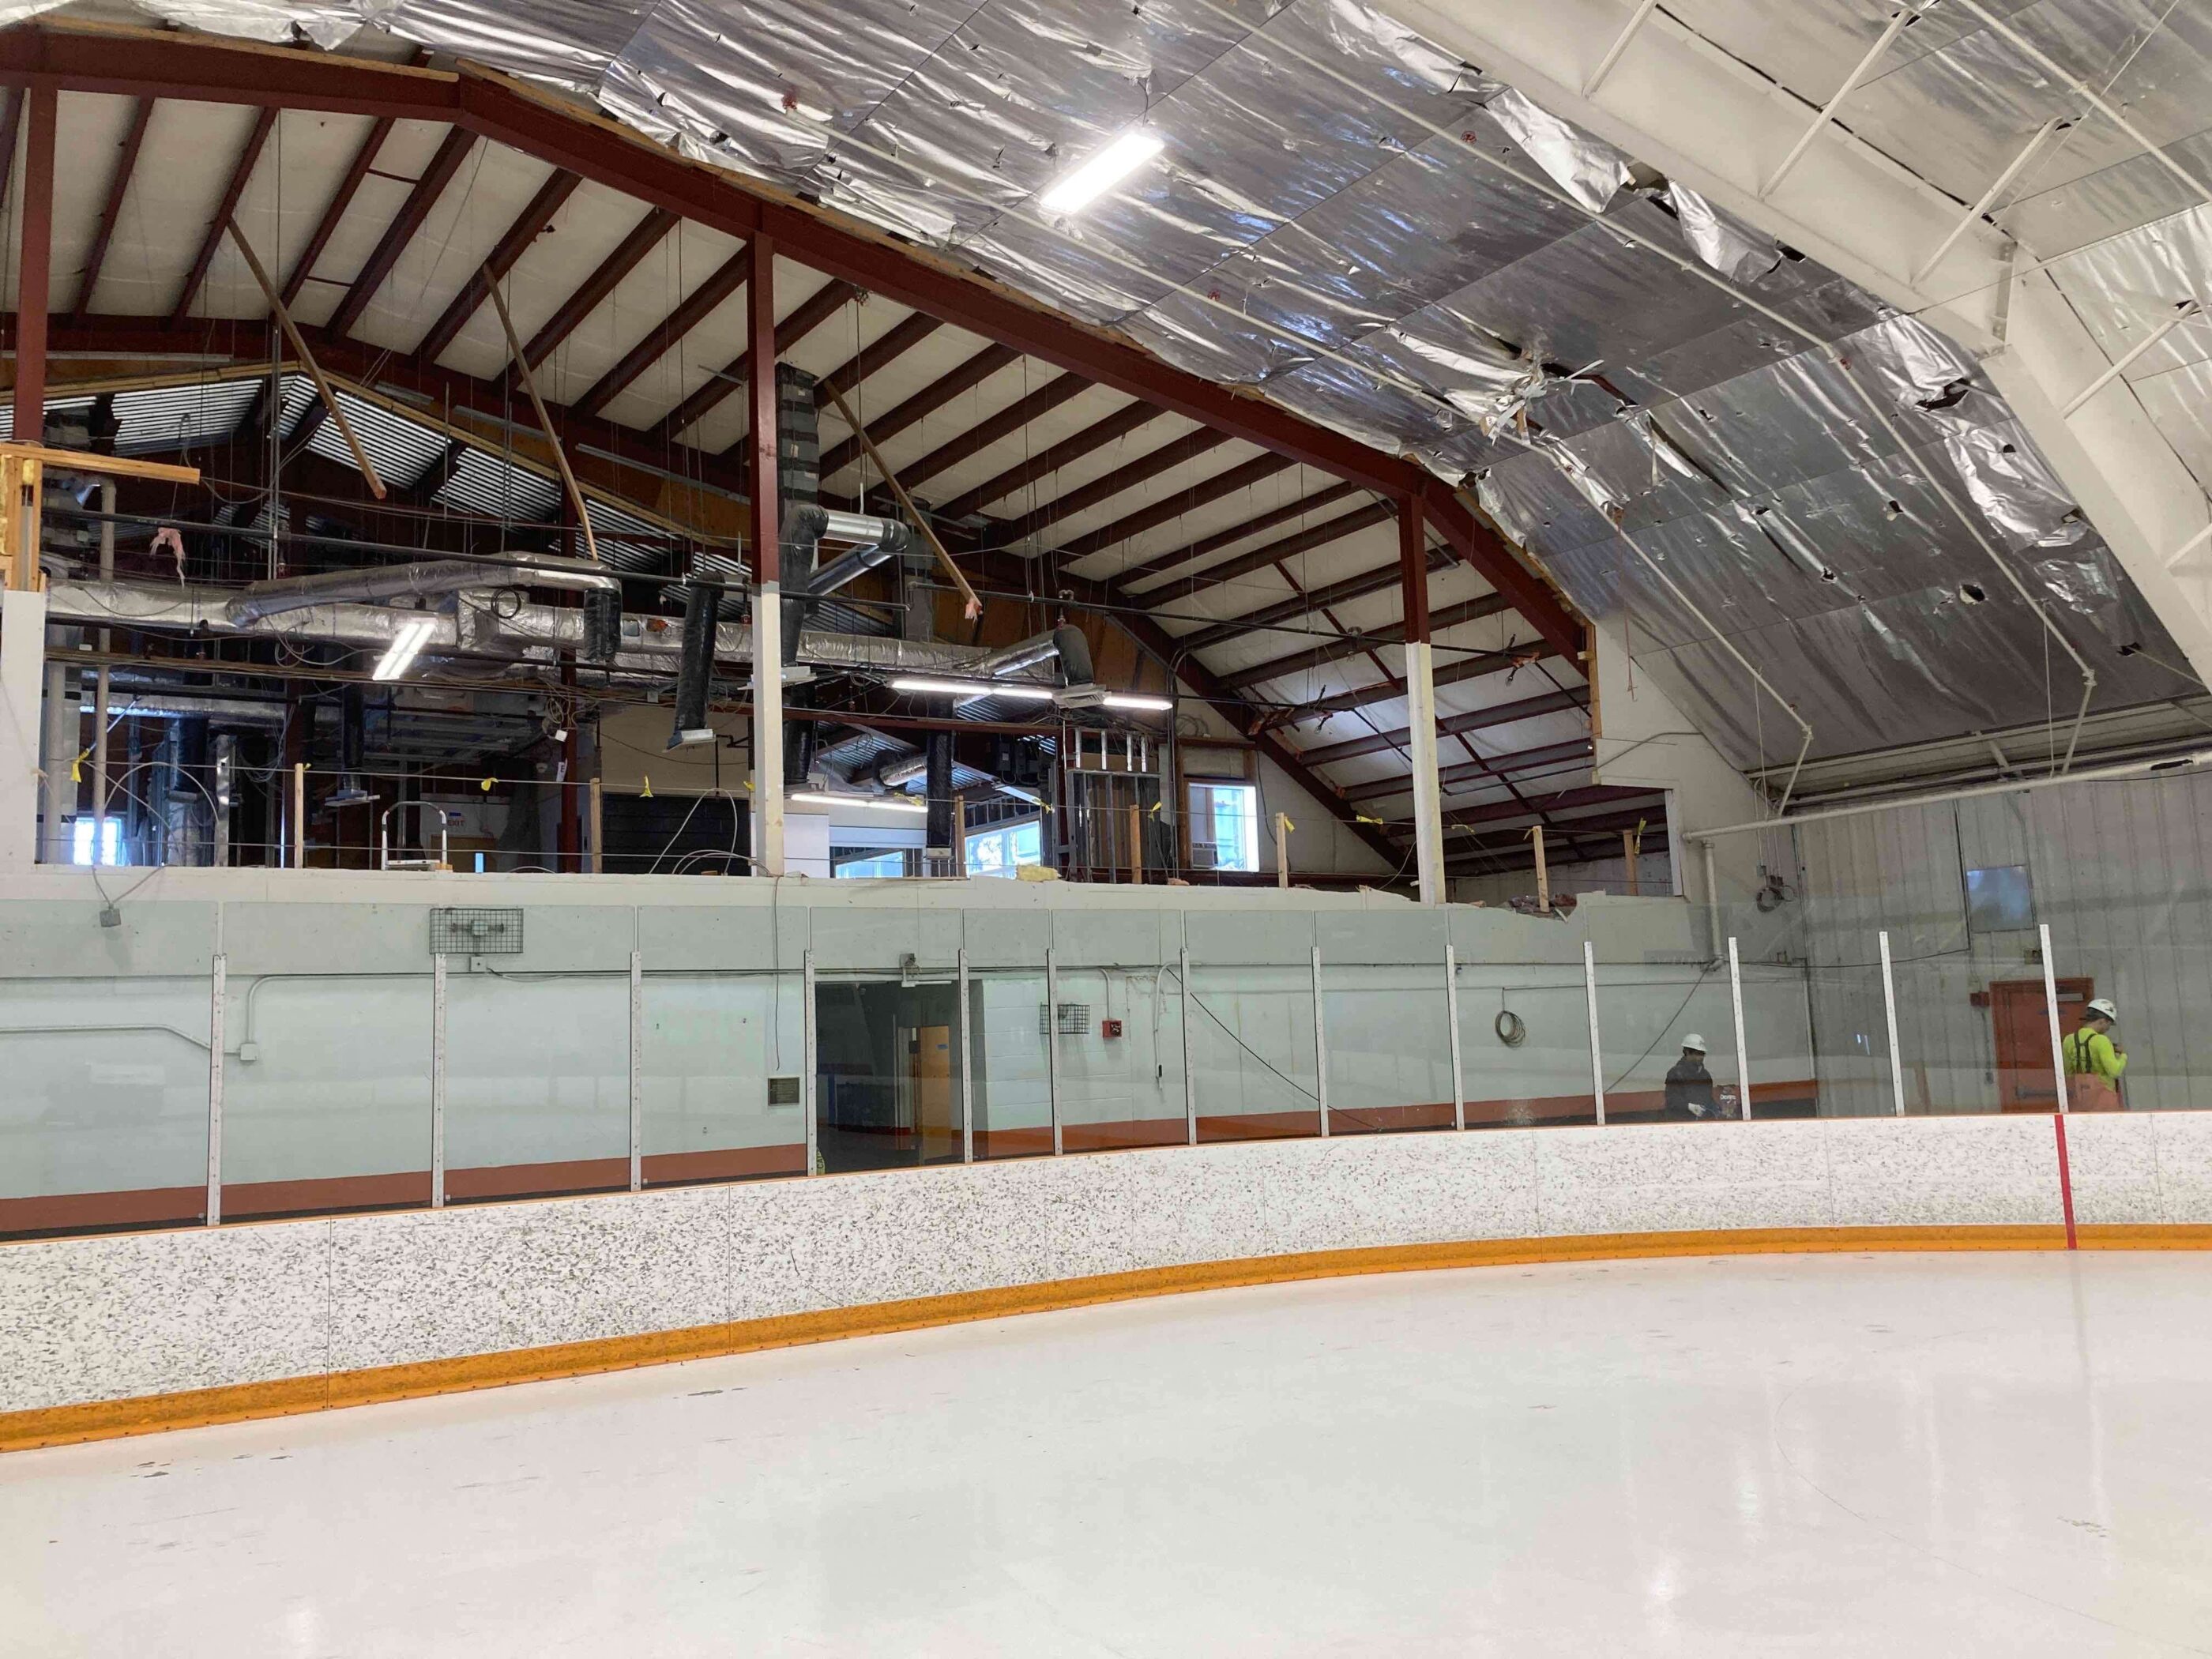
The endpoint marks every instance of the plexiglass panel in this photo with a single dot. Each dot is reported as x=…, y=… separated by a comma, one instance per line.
x=1252, y=1052
x=1006, y=1036
x=538, y=1084
x=1390, y=1046
x=1524, y=1043
x=723, y=1074
x=887, y=1072
x=326, y=1092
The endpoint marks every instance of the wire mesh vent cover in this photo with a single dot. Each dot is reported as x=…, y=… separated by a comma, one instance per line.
x=1074, y=1018
x=473, y=932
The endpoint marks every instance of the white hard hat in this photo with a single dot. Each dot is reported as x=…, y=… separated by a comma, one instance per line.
x=1694, y=1040
x=2103, y=1008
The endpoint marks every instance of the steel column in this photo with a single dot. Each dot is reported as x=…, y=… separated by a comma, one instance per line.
x=768, y=590
x=34, y=272
x=1421, y=704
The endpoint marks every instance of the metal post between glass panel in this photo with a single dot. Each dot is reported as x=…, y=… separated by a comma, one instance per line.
x=438, y=1082
x=1889, y=1013
x=1321, y=1048
x=1451, y=1025
x=1189, y=1077
x=636, y=1070
x=2050, y=1008
x=218, y=977
x=1742, y=1049
x=808, y=1083
x=1589, y=994
x=1052, y=1041
x=967, y=1068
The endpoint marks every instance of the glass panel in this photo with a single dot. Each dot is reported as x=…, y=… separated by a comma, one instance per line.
x=1252, y=1048
x=1390, y=1046
x=326, y=1092
x=104, y=1120
x=1667, y=1037
x=887, y=1072
x=722, y=1072
x=1524, y=1043
x=537, y=1084
x=1784, y=1081
x=1119, y=1042
x=1013, y=1099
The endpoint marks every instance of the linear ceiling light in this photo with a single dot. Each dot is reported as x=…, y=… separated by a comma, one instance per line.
x=1084, y=182
x=1125, y=700
x=1027, y=691
x=406, y=645
x=820, y=799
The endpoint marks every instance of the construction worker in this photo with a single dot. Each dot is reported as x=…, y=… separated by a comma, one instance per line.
x=1689, y=1084
x=2094, y=1061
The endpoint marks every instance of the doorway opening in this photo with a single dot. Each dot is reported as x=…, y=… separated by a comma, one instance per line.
x=887, y=1073
x=2022, y=1028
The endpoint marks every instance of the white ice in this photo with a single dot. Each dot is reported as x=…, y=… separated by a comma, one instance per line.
x=1861, y=1454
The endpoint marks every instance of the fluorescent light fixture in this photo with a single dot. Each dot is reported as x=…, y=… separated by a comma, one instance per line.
x=1086, y=182
x=406, y=645
x=821, y=798
x=1027, y=691
x=1128, y=700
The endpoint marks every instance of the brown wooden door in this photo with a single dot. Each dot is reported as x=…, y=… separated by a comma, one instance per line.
x=937, y=1133
x=2022, y=1030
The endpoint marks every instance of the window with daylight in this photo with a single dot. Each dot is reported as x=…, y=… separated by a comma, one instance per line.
x=1224, y=826
x=111, y=840
x=1002, y=850
x=892, y=863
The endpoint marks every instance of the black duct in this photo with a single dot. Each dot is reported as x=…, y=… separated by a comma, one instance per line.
x=694, y=672
x=798, y=740
x=1074, y=654
x=939, y=852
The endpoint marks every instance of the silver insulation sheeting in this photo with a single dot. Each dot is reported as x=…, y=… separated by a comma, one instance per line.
x=1398, y=247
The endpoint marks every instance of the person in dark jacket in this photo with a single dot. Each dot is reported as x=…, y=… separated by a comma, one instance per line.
x=1690, y=1085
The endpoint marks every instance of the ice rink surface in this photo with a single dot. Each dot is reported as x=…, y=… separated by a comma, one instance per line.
x=1861, y=1454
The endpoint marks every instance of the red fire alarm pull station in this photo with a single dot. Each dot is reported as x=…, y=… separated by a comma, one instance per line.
x=1109, y=1028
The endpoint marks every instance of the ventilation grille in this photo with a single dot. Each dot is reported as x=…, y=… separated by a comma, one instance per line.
x=1074, y=1019
x=475, y=933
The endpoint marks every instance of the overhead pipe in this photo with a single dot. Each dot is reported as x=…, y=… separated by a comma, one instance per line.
x=432, y=579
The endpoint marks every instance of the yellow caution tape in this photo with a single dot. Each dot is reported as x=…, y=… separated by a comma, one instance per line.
x=485, y=786
x=647, y=793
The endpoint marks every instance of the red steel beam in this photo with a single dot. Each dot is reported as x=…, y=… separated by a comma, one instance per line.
x=762, y=344
x=1479, y=771
x=1151, y=464
x=1204, y=492
x=1122, y=422
x=118, y=185
x=1528, y=709
x=721, y=386
x=458, y=142
x=1015, y=574
x=645, y=236
x=1297, y=605
x=219, y=225
x=876, y=355
x=11, y=122
x=529, y=225
x=1003, y=424
x=141, y=63
x=888, y=425
x=1289, y=547
x=35, y=281
x=1479, y=664
x=1565, y=800
x=1481, y=547
x=657, y=344
x=1237, y=532
x=1325, y=651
